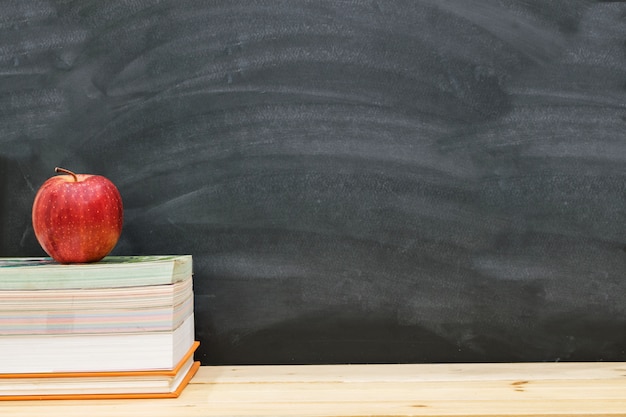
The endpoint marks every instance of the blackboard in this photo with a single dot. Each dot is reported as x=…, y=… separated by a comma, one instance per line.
x=357, y=181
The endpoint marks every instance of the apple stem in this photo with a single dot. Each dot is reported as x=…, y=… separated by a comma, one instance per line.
x=66, y=171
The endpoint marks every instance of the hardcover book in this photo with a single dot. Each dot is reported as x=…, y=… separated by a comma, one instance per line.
x=100, y=385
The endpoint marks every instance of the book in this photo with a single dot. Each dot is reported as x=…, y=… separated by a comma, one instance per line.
x=100, y=385
x=122, y=327
x=132, y=351
x=111, y=272
x=96, y=310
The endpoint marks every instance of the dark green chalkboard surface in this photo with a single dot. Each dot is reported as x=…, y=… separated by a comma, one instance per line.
x=357, y=181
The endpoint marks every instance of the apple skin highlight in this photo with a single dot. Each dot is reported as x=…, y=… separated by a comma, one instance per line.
x=77, y=218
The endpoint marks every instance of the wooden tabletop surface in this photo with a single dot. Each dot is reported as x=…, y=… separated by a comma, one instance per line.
x=531, y=389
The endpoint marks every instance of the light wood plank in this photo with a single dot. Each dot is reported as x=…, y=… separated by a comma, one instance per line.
x=539, y=389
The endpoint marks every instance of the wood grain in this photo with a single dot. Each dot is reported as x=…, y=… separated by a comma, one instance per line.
x=530, y=389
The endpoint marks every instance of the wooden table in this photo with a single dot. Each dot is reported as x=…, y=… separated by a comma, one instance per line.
x=537, y=389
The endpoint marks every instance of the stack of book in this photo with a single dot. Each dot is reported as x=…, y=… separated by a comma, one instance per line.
x=119, y=328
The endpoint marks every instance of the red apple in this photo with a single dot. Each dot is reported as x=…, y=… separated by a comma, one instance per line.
x=77, y=218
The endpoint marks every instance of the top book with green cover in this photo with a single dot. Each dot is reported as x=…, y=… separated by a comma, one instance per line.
x=110, y=272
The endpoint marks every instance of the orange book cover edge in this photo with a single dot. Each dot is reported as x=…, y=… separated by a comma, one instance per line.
x=150, y=372
x=174, y=394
